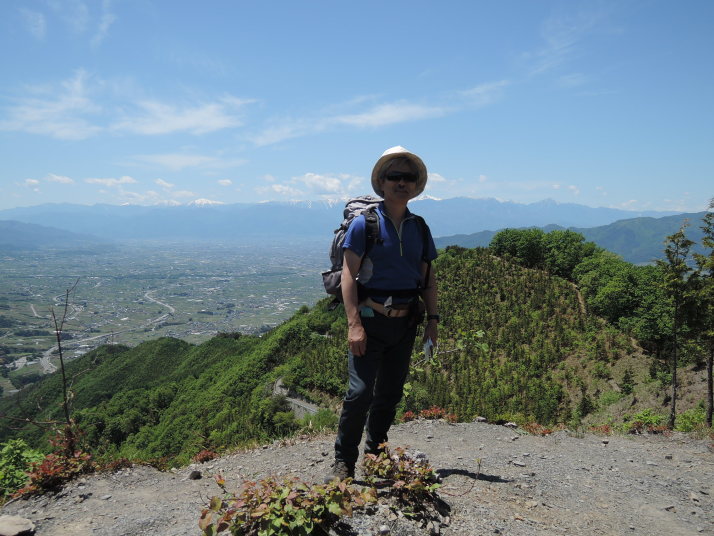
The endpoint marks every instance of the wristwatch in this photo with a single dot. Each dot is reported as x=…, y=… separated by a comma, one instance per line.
x=433, y=317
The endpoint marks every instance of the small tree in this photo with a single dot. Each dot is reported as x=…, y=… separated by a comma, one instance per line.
x=676, y=271
x=705, y=298
x=59, y=323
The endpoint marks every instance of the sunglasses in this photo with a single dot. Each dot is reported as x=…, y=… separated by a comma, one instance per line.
x=396, y=176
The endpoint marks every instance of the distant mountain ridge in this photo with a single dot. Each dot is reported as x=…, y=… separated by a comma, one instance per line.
x=637, y=240
x=308, y=219
x=15, y=235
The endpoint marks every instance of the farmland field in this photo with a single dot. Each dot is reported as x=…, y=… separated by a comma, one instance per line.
x=133, y=292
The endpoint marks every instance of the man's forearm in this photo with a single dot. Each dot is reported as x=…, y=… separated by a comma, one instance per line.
x=350, y=299
x=430, y=295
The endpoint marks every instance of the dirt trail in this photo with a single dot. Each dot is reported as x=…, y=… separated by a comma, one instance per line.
x=495, y=479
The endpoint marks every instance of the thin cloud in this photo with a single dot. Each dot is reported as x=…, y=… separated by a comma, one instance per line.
x=378, y=115
x=159, y=118
x=74, y=13
x=573, y=80
x=107, y=19
x=180, y=161
x=284, y=190
x=35, y=23
x=183, y=193
x=55, y=112
x=561, y=36
x=315, y=185
x=31, y=182
x=389, y=114
x=58, y=178
x=71, y=110
x=164, y=184
x=225, y=182
x=111, y=183
x=484, y=94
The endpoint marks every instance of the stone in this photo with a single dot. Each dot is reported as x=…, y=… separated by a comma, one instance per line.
x=16, y=526
x=384, y=530
x=480, y=419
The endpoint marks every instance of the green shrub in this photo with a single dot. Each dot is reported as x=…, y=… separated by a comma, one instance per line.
x=601, y=371
x=609, y=397
x=645, y=420
x=16, y=458
x=690, y=420
x=324, y=419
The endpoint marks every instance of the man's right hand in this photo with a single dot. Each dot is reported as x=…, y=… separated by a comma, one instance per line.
x=357, y=338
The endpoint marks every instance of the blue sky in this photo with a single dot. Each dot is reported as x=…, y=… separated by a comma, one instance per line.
x=166, y=102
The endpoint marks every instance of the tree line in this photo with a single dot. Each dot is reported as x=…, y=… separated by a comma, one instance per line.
x=667, y=306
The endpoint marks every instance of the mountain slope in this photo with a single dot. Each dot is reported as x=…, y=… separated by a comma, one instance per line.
x=514, y=343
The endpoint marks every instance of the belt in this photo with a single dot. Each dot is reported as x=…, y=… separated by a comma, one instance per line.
x=396, y=311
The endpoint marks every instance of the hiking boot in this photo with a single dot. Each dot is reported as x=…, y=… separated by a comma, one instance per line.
x=339, y=471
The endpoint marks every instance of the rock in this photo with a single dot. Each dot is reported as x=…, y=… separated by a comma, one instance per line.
x=480, y=419
x=531, y=504
x=16, y=526
x=518, y=464
x=605, y=441
x=384, y=530
x=511, y=425
x=668, y=457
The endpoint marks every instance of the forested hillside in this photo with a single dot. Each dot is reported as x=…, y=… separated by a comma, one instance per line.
x=515, y=343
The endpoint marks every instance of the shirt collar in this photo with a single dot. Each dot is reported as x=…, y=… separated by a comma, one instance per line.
x=383, y=210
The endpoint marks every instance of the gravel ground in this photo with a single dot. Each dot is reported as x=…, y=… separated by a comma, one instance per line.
x=496, y=480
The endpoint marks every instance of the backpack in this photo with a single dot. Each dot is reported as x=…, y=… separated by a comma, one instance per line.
x=332, y=278
x=367, y=205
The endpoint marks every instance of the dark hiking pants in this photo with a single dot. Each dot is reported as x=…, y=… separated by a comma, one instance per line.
x=376, y=382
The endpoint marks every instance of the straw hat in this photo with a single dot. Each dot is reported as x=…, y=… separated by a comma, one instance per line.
x=395, y=152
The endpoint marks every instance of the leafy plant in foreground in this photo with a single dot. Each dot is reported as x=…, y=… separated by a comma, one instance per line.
x=412, y=481
x=58, y=467
x=290, y=508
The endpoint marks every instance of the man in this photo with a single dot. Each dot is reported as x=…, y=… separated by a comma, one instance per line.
x=381, y=293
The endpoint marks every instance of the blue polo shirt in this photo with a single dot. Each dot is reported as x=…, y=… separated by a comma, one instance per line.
x=395, y=264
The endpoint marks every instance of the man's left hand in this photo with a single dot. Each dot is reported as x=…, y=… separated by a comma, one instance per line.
x=431, y=331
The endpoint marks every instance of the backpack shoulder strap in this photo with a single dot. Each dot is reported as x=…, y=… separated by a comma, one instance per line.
x=425, y=233
x=372, y=229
